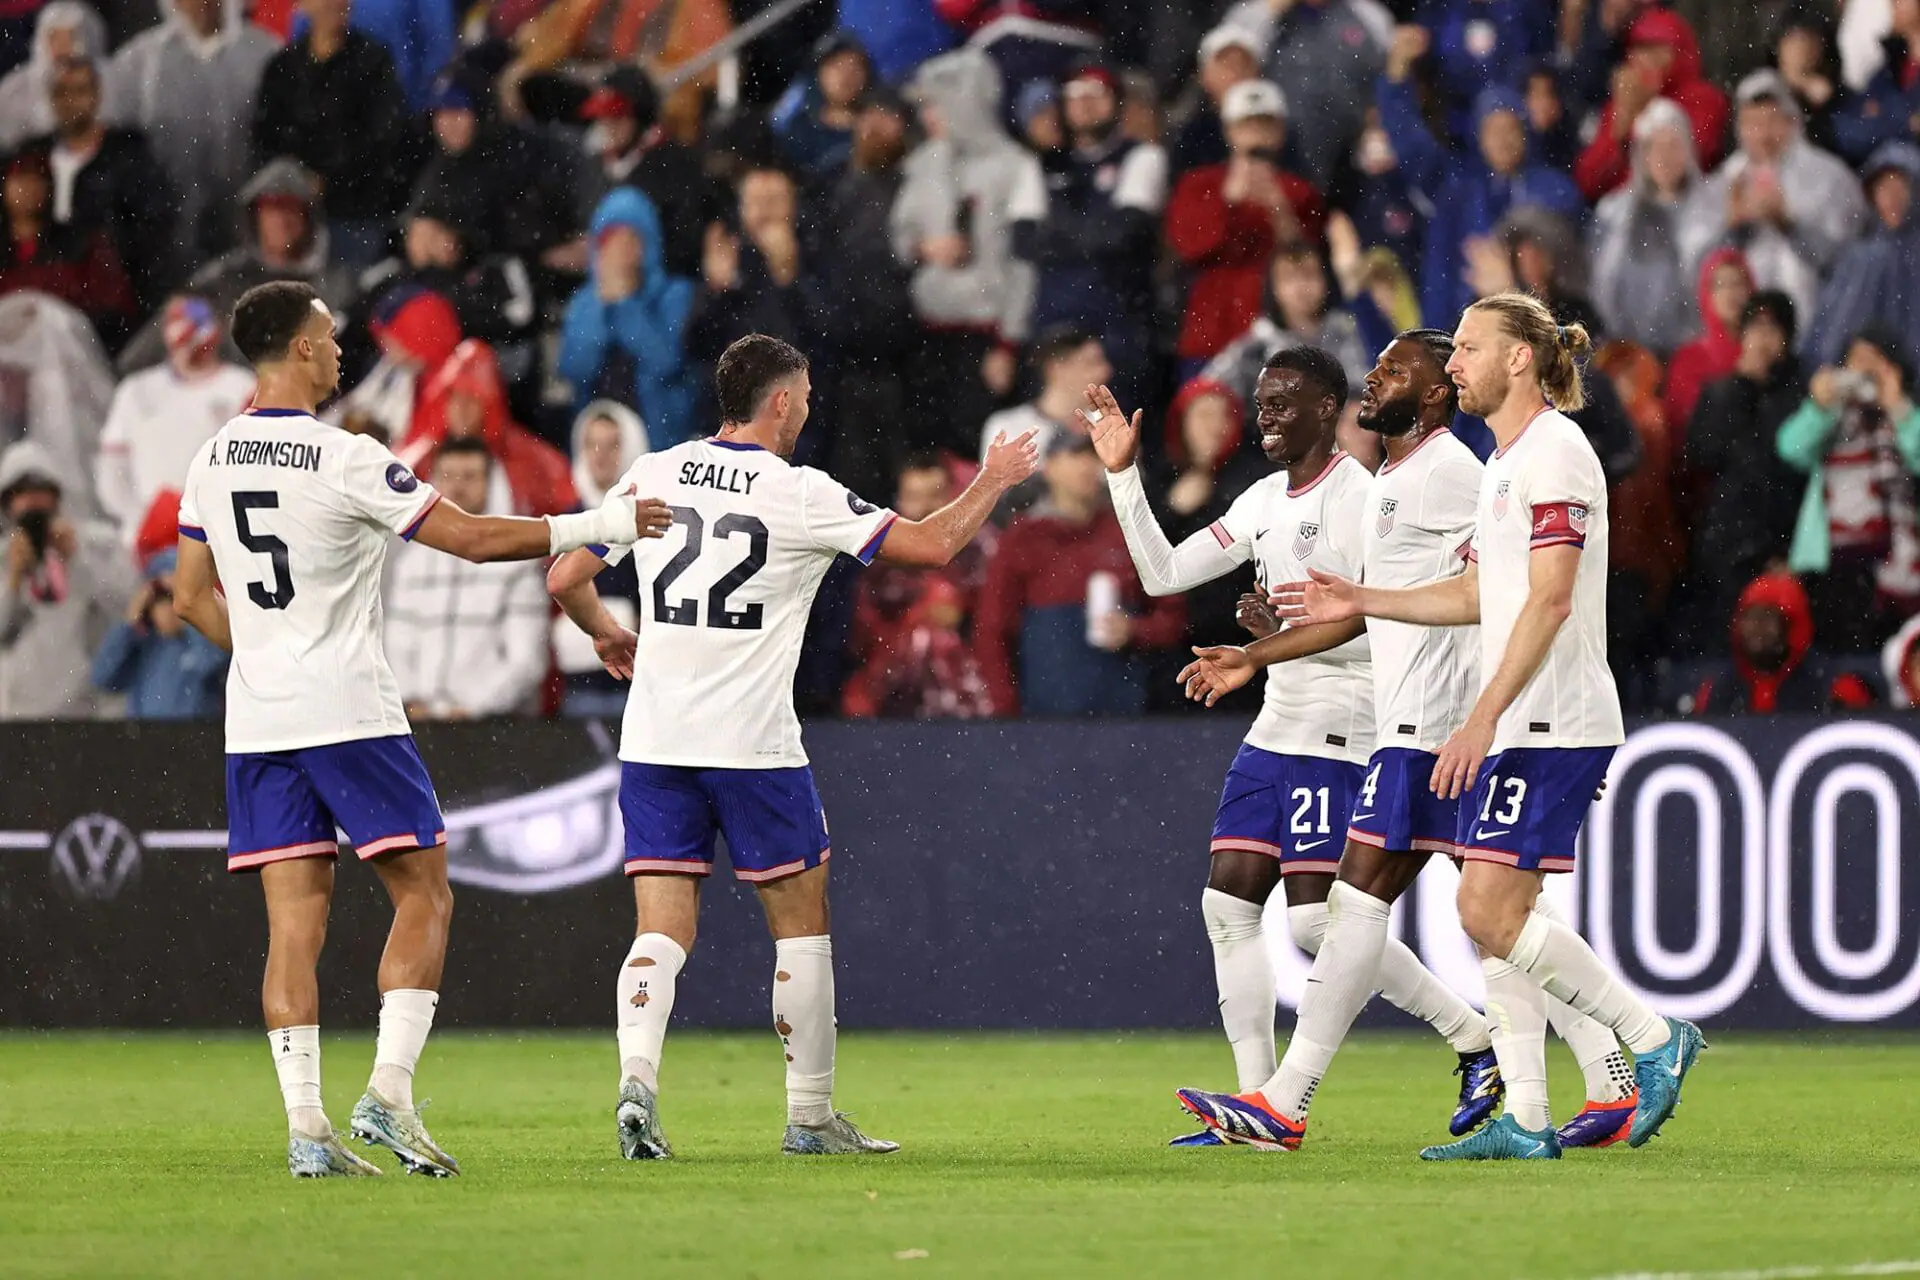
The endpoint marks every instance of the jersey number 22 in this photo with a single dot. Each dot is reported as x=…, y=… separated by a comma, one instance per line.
x=686, y=612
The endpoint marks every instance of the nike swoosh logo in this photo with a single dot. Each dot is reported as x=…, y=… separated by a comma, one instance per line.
x=1488, y=835
x=1302, y=848
x=1538, y=1146
x=1676, y=1069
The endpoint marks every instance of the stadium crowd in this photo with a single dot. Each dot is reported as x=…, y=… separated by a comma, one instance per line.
x=964, y=211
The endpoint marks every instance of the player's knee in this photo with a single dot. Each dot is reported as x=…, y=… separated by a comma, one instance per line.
x=1487, y=921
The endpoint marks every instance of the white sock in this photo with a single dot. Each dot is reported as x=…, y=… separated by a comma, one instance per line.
x=296, y=1059
x=1517, y=1016
x=1243, y=975
x=1308, y=924
x=1608, y=1075
x=406, y=1016
x=1560, y=960
x=1407, y=984
x=803, y=1015
x=1341, y=983
x=648, y=978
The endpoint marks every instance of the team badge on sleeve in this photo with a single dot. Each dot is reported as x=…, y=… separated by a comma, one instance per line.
x=1304, y=538
x=400, y=479
x=859, y=505
x=1384, y=525
x=1559, y=524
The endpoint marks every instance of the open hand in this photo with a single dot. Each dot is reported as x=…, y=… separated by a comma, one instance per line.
x=1116, y=437
x=1460, y=758
x=1009, y=461
x=1216, y=672
x=615, y=651
x=1323, y=598
x=1255, y=615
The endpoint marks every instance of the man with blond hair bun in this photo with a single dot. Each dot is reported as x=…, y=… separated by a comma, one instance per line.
x=1532, y=751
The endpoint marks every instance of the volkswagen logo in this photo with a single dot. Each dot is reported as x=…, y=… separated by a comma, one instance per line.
x=96, y=856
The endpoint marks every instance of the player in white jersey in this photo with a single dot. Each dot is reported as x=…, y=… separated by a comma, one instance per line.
x=1420, y=513
x=1285, y=805
x=710, y=744
x=1528, y=757
x=294, y=519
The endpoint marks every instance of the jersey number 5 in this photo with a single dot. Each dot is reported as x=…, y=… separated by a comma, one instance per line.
x=686, y=612
x=281, y=594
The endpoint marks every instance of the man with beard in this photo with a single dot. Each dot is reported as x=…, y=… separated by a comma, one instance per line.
x=1527, y=757
x=1088, y=219
x=1292, y=786
x=1422, y=508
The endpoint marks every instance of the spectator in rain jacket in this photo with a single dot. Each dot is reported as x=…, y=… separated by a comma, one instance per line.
x=813, y=121
x=1885, y=111
x=65, y=31
x=1477, y=43
x=167, y=669
x=1647, y=236
x=1877, y=279
x=1774, y=667
x=465, y=400
x=1722, y=288
x=1663, y=61
x=625, y=329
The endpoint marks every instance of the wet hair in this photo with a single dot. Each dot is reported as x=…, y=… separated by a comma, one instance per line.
x=1559, y=350
x=1316, y=366
x=269, y=317
x=1438, y=344
x=748, y=370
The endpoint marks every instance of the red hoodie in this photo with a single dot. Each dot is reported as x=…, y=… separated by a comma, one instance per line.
x=1710, y=356
x=1604, y=165
x=1788, y=688
x=538, y=474
x=1227, y=247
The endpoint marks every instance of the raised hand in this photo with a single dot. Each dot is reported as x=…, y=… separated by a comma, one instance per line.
x=1216, y=672
x=1323, y=598
x=1009, y=461
x=615, y=651
x=1116, y=437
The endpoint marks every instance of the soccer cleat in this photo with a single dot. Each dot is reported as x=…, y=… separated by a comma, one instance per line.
x=641, y=1137
x=379, y=1124
x=325, y=1158
x=1659, y=1075
x=1244, y=1117
x=1504, y=1139
x=1599, y=1124
x=837, y=1137
x=1204, y=1138
x=1481, y=1090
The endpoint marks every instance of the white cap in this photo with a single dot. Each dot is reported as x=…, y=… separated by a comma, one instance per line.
x=1229, y=35
x=1251, y=98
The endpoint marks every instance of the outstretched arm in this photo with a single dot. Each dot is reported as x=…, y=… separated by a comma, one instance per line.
x=1220, y=669
x=1450, y=602
x=1164, y=568
x=932, y=542
x=481, y=539
x=1550, y=575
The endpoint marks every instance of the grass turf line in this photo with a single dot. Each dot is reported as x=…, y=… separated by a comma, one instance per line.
x=162, y=1155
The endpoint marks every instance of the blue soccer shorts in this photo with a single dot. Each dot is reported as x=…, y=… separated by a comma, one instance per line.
x=288, y=804
x=772, y=819
x=1294, y=808
x=1396, y=808
x=1526, y=807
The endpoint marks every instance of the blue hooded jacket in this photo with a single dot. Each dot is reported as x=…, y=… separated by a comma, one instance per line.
x=1467, y=196
x=1877, y=279
x=633, y=350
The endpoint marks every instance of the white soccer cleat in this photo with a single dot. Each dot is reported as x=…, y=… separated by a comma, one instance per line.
x=837, y=1137
x=379, y=1124
x=638, y=1115
x=325, y=1158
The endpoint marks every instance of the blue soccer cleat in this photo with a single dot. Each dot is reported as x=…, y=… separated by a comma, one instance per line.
x=1504, y=1139
x=1204, y=1138
x=1599, y=1124
x=1659, y=1075
x=378, y=1123
x=1481, y=1090
x=1245, y=1118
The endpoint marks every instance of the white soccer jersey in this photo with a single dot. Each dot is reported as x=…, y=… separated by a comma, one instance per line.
x=1546, y=489
x=1419, y=520
x=1320, y=705
x=724, y=601
x=299, y=517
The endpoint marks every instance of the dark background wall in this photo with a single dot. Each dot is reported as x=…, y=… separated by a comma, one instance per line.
x=993, y=875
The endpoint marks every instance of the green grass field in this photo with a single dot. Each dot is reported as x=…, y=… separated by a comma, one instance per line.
x=146, y=1155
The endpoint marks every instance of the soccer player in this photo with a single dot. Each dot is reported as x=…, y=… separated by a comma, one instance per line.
x=1420, y=512
x=294, y=519
x=1284, y=808
x=1528, y=757
x=710, y=743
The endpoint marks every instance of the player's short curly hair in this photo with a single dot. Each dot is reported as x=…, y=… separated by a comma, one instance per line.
x=269, y=317
x=1438, y=344
x=748, y=371
x=1316, y=366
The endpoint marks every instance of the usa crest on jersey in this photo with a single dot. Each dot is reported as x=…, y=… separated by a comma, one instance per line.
x=1383, y=525
x=1304, y=538
x=1500, y=499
